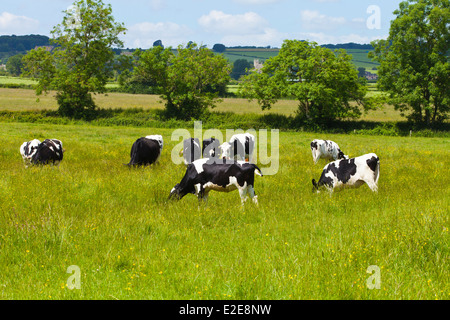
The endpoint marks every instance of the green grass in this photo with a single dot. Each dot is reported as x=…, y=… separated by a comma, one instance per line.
x=130, y=243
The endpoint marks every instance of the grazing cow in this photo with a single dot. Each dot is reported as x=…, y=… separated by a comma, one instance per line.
x=50, y=151
x=191, y=150
x=202, y=177
x=350, y=173
x=145, y=152
x=210, y=148
x=240, y=146
x=28, y=149
x=326, y=149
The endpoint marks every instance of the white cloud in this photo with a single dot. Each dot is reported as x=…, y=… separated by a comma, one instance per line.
x=268, y=37
x=12, y=24
x=240, y=29
x=221, y=23
x=314, y=20
x=142, y=35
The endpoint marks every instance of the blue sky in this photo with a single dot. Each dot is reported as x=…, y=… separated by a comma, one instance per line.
x=230, y=22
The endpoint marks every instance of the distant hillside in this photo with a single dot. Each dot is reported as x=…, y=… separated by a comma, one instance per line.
x=22, y=43
x=12, y=45
x=346, y=46
x=349, y=46
x=359, y=53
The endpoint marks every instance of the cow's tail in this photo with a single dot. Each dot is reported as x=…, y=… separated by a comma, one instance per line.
x=258, y=170
x=376, y=174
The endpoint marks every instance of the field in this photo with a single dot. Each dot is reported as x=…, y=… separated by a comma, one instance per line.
x=360, y=58
x=129, y=242
x=25, y=99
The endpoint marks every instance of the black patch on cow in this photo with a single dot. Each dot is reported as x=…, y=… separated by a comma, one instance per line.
x=343, y=173
x=44, y=153
x=144, y=152
x=191, y=150
x=210, y=144
x=372, y=163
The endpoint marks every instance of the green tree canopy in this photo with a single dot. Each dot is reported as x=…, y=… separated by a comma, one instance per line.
x=189, y=81
x=324, y=82
x=14, y=65
x=82, y=60
x=414, y=60
x=240, y=68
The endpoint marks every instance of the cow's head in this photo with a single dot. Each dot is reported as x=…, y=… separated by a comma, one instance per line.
x=225, y=150
x=341, y=155
x=176, y=193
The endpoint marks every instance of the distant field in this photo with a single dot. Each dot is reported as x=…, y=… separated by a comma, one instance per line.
x=25, y=99
x=360, y=58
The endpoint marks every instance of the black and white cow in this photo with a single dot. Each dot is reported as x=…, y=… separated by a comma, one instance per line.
x=210, y=148
x=191, y=150
x=50, y=151
x=28, y=149
x=241, y=147
x=201, y=177
x=145, y=152
x=326, y=149
x=350, y=173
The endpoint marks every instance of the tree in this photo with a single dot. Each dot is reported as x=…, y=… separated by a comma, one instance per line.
x=218, y=47
x=361, y=72
x=158, y=43
x=82, y=60
x=14, y=65
x=324, y=82
x=414, y=59
x=189, y=81
x=240, y=67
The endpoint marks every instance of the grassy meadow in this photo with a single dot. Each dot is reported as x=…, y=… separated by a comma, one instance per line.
x=129, y=242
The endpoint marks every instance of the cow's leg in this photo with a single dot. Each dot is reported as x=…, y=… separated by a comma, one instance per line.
x=243, y=194
x=202, y=198
x=372, y=185
x=315, y=154
x=253, y=196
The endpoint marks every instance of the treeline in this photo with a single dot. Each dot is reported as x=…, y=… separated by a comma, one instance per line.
x=349, y=46
x=17, y=45
x=22, y=43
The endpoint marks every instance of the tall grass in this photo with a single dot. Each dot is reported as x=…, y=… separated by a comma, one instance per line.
x=129, y=242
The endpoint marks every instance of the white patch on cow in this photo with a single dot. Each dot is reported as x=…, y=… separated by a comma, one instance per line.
x=28, y=149
x=198, y=164
x=225, y=151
